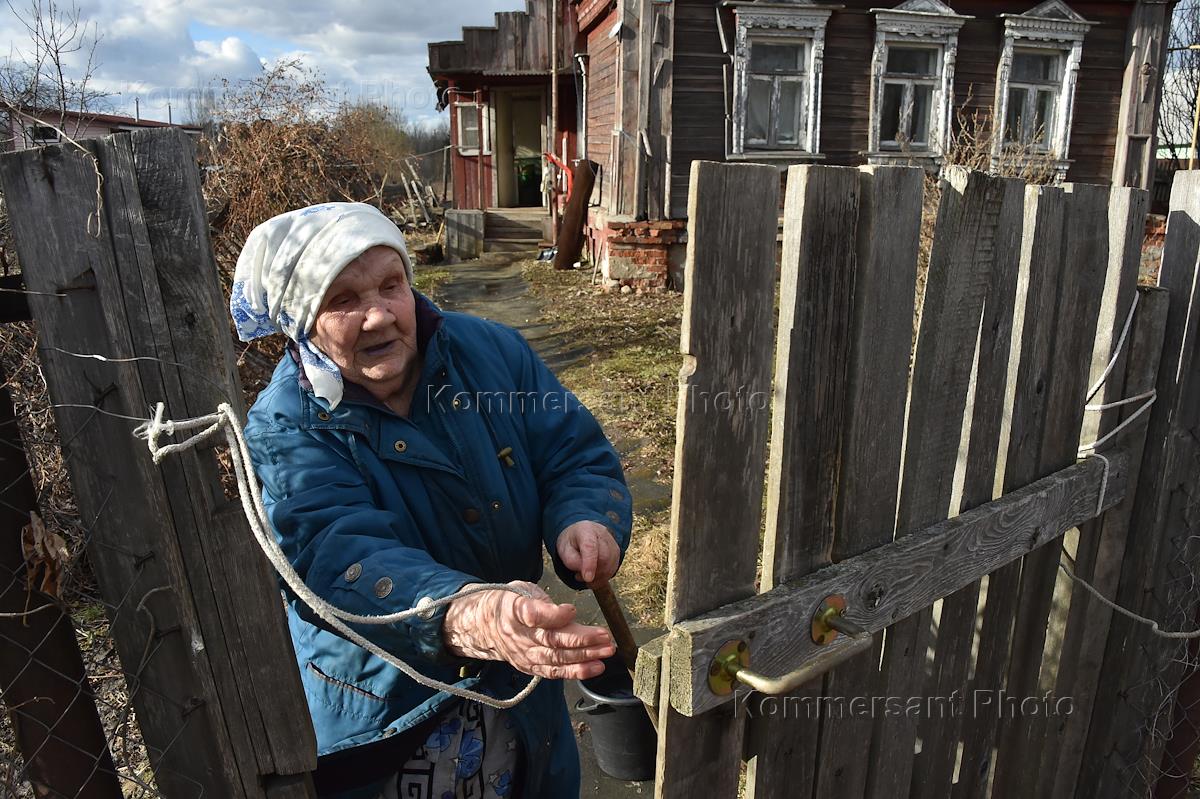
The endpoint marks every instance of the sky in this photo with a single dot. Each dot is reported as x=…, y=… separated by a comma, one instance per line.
x=160, y=51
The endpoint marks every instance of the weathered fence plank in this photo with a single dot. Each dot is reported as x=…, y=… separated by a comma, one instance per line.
x=809, y=419
x=138, y=568
x=961, y=262
x=184, y=291
x=864, y=513
x=1033, y=326
x=1105, y=538
x=1085, y=622
x=933, y=770
x=721, y=441
x=146, y=288
x=1136, y=677
x=892, y=582
x=1079, y=293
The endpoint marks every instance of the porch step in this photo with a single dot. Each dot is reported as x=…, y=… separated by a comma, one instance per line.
x=515, y=225
x=511, y=245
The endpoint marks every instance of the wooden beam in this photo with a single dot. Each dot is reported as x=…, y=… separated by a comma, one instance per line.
x=721, y=444
x=892, y=582
x=1141, y=93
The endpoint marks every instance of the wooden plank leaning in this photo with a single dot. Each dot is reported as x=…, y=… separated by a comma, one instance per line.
x=1101, y=543
x=933, y=770
x=153, y=528
x=1137, y=675
x=1085, y=259
x=808, y=421
x=184, y=291
x=721, y=442
x=138, y=564
x=961, y=262
x=1033, y=327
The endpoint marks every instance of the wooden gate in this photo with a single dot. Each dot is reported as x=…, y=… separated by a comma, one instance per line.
x=932, y=488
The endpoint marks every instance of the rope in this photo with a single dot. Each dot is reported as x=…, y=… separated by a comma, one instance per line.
x=1089, y=451
x=256, y=515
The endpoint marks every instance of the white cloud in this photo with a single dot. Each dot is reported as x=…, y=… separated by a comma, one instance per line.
x=364, y=48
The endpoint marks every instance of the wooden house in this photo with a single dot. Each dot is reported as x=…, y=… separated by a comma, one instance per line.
x=646, y=87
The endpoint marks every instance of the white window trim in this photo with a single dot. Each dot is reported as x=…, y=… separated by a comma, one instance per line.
x=30, y=129
x=485, y=133
x=915, y=23
x=1055, y=28
x=785, y=22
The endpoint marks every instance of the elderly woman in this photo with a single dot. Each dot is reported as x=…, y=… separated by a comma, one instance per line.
x=406, y=452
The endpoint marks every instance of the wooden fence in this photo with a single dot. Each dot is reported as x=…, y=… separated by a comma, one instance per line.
x=113, y=241
x=934, y=490
x=934, y=487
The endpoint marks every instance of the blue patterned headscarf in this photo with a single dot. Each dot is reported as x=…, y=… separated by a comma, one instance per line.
x=286, y=268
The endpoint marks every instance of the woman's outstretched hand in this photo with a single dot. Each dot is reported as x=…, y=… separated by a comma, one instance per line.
x=589, y=550
x=535, y=636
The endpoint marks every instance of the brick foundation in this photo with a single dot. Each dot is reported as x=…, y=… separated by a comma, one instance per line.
x=645, y=256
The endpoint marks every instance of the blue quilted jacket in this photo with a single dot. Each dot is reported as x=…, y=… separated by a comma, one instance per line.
x=376, y=511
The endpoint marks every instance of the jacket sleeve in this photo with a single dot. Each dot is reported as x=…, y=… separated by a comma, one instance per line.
x=578, y=472
x=353, y=555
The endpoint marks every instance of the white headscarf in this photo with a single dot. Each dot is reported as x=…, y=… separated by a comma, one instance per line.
x=286, y=267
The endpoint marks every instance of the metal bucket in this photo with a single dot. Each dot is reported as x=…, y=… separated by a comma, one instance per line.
x=622, y=735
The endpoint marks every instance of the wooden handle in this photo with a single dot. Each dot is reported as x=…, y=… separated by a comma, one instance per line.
x=626, y=647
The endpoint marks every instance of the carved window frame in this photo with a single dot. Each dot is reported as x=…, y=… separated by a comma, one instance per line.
x=915, y=24
x=1055, y=29
x=791, y=23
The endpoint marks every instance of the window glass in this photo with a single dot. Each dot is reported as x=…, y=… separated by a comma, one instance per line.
x=912, y=61
x=1043, y=116
x=468, y=127
x=758, y=110
x=922, y=107
x=776, y=57
x=1015, y=116
x=1035, y=66
x=893, y=103
x=787, y=130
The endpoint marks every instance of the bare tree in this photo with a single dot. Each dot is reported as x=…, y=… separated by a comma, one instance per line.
x=1181, y=83
x=51, y=74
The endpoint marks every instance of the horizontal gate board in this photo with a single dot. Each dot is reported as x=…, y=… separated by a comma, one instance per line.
x=892, y=582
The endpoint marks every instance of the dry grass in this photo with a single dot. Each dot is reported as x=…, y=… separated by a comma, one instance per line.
x=630, y=382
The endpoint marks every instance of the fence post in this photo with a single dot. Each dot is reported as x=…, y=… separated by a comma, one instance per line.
x=42, y=679
x=126, y=272
x=1138, y=677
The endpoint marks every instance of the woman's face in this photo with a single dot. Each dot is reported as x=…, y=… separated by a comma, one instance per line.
x=367, y=324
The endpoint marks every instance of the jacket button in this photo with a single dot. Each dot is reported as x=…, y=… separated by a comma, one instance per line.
x=400, y=445
x=613, y=517
x=323, y=416
x=457, y=404
x=470, y=515
x=383, y=587
x=617, y=495
x=496, y=506
x=354, y=572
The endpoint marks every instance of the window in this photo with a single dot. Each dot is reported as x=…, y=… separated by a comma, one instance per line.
x=777, y=80
x=41, y=134
x=469, y=115
x=912, y=93
x=775, y=112
x=1035, y=82
x=910, y=82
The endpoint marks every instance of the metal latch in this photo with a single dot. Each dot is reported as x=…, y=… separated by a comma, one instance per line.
x=731, y=664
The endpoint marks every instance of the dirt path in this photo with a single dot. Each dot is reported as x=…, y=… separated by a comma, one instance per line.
x=492, y=287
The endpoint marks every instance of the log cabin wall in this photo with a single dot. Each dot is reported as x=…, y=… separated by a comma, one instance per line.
x=700, y=96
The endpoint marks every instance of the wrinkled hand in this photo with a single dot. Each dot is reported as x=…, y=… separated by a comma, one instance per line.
x=589, y=550
x=535, y=636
